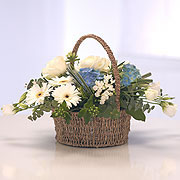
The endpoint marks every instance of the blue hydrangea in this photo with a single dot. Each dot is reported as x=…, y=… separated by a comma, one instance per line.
x=90, y=76
x=130, y=74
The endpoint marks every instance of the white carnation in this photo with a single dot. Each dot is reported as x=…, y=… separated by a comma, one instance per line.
x=155, y=86
x=170, y=110
x=151, y=94
x=8, y=109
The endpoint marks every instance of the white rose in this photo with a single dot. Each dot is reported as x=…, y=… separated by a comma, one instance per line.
x=55, y=67
x=8, y=109
x=155, y=86
x=170, y=110
x=96, y=63
x=151, y=94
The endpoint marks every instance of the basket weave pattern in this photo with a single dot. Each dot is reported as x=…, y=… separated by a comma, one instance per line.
x=100, y=132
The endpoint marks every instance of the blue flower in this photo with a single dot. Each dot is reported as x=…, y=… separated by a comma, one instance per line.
x=130, y=74
x=90, y=76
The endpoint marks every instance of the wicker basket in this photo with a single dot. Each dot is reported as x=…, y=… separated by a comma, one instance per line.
x=100, y=132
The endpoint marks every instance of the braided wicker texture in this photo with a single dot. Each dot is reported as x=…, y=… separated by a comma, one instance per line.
x=100, y=132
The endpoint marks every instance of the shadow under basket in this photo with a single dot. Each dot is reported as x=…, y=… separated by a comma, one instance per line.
x=100, y=132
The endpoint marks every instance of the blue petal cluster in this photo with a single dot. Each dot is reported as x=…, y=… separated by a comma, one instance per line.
x=90, y=75
x=130, y=74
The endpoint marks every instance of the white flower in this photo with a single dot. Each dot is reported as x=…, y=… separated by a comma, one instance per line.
x=99, y=85
x=8, y=109
x=170, y=110
x=96, y=63
x=155, y=86
x=55, y=67
x=60, y=81
x=104, y=88
x=67, y=93
x=151, y=94
x=36, y=94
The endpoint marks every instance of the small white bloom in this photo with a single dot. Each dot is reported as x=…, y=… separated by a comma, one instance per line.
x=99, y=86
x=55, y=67
x=151, y=94
x=104, y=88
x=110, y=87
x=60, y=81
x=8, y=109
x=67, y=93
x=170, y=110
x=36, y=94
x=112, y=81
x=96, y=63
x=97, y=94
x=155, y=86
x=102, y=101
x=107, y=77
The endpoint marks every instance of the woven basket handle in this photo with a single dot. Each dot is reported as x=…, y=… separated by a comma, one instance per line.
x=111, y=57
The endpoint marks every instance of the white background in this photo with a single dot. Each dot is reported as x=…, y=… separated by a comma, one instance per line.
x=32, y=32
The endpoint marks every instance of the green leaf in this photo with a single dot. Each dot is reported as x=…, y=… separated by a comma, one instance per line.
x=67, y=117
x=105, y=111
x=23, y=97
x=131, y=104
x=24, y=106
x=30, y=118
x=145, y=107
x=146, y=75
x=123, y=104
x=89, y=103
x=64, y=106
x=87, y=117
x=30, y=84
x=138, y=115
x=54, y=103
x=115, y=114
x=82, y=112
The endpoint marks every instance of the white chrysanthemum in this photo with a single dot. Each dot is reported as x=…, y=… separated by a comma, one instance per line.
x=36, y=94
x=55, y=67
x=60, y=81
x=67, y=93
x=8, y=109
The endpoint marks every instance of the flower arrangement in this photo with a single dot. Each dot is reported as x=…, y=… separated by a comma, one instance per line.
x=88, y=88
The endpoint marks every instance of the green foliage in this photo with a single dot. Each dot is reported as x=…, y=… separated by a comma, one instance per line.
x=71, y=58
x=39, y=81
x=89, y=110
x=132, y=98
x=138, y=114
x=109, y=109
x=79, y=81
x=62, y=111
x=23, y=97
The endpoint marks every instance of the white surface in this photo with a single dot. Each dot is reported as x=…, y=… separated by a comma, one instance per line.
x=28, y=151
